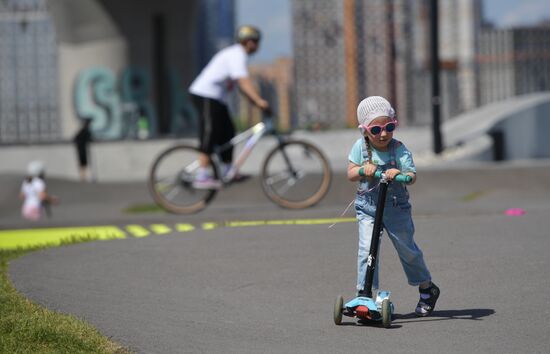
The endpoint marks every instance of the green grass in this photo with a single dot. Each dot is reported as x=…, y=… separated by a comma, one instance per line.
x=474, y=195
x=143, y=208
x=28, y=328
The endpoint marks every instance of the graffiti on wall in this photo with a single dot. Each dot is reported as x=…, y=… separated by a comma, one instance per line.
x=121, y=108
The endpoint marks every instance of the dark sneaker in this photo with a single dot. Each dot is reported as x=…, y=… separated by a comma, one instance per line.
x=428, y=298
x=240, y=178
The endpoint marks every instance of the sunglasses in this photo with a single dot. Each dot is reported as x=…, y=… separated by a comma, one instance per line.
x=377, y=129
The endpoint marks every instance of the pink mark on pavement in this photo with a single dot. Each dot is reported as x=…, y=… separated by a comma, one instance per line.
x=514, y=212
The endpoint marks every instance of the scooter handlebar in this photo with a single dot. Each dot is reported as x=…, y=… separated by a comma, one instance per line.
x=402, y=178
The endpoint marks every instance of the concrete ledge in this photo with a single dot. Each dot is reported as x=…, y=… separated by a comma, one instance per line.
x=468, y=139
x=131, y=160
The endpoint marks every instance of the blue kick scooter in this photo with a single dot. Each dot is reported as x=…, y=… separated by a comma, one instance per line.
x=365, y=307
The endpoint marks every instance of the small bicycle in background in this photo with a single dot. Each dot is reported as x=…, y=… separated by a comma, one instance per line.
x=295, y=174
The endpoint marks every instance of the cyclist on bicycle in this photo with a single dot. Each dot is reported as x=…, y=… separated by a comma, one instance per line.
x=209, y=93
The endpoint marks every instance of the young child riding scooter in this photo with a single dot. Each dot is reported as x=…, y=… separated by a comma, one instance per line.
x=377, y=150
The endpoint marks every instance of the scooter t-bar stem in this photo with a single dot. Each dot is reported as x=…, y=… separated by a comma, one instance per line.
x=377, y=228
x=375, y=239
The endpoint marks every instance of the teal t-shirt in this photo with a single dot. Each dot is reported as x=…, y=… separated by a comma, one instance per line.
x=403, y=156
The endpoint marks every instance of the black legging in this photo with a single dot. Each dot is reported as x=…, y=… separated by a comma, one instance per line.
x=215, y=126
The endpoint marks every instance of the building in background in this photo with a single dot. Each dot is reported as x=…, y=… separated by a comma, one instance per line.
x=28, y=73
x=381, y=47
x=345, y=51
x=125, y=64
x=215, y=28
x=513, y=62
x=129, y=64
x=385, y=61
x=319, y=62
x=276, y=85
x=459, y=25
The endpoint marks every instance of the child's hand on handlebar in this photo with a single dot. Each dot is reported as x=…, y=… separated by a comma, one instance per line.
x=369, y=169
x=391, y=173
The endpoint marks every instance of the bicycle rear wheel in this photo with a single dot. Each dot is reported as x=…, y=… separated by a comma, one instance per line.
x=296, y=175
x=171, y=181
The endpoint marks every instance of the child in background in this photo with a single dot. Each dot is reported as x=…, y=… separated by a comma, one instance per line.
x=33, y=192
x=377, y=150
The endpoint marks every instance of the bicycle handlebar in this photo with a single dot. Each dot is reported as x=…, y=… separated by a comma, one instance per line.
x=402, y=178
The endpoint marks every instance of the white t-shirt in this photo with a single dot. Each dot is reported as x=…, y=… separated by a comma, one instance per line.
x=31, y=190
x=219, y=77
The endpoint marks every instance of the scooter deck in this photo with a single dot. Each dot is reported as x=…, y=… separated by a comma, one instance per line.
x=356, y=307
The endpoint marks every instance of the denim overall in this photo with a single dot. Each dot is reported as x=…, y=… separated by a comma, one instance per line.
x=397, y=221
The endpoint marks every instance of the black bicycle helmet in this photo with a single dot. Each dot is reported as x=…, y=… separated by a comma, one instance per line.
x=248, y=33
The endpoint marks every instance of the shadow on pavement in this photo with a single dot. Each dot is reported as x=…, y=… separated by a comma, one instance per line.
x=465, y=314
x=400, y=319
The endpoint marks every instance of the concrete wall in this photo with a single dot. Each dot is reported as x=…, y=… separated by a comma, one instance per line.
x=110, y=161
x=522, y=121
x=87, y=37
x=526, y=133
x=120, y=34
x=73, y=58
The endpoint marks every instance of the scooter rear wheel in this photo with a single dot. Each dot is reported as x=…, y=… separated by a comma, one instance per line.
x=386, y=313
x=338, y=307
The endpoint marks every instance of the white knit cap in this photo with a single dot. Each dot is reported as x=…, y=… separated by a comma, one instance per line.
x=35, y=168
x=373, y=107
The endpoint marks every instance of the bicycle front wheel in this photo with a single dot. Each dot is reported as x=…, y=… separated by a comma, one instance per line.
x=171, y=181
x=296, y=175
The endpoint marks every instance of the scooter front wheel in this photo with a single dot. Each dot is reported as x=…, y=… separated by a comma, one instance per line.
x=338, y=307
x=386, y=313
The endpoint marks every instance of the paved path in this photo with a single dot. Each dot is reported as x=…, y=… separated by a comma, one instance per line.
x=270, y=288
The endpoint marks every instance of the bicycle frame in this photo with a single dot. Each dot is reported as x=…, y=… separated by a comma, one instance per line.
x=277, y=174
x=252, y=136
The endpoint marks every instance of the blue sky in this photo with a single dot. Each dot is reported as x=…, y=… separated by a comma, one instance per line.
x=273, y=16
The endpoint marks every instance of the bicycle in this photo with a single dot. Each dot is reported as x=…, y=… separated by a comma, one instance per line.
x=295, y=174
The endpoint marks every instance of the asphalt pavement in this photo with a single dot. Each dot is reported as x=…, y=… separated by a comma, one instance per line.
x=263, y=288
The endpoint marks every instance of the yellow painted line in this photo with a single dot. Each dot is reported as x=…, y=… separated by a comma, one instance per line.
x=244, y=223
x=14, y=239
x=160, y=229
x=289, y=222
x=280, y=222
x=209, y=225
x=184, y=227
x=323, y=221
x=137, y=230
